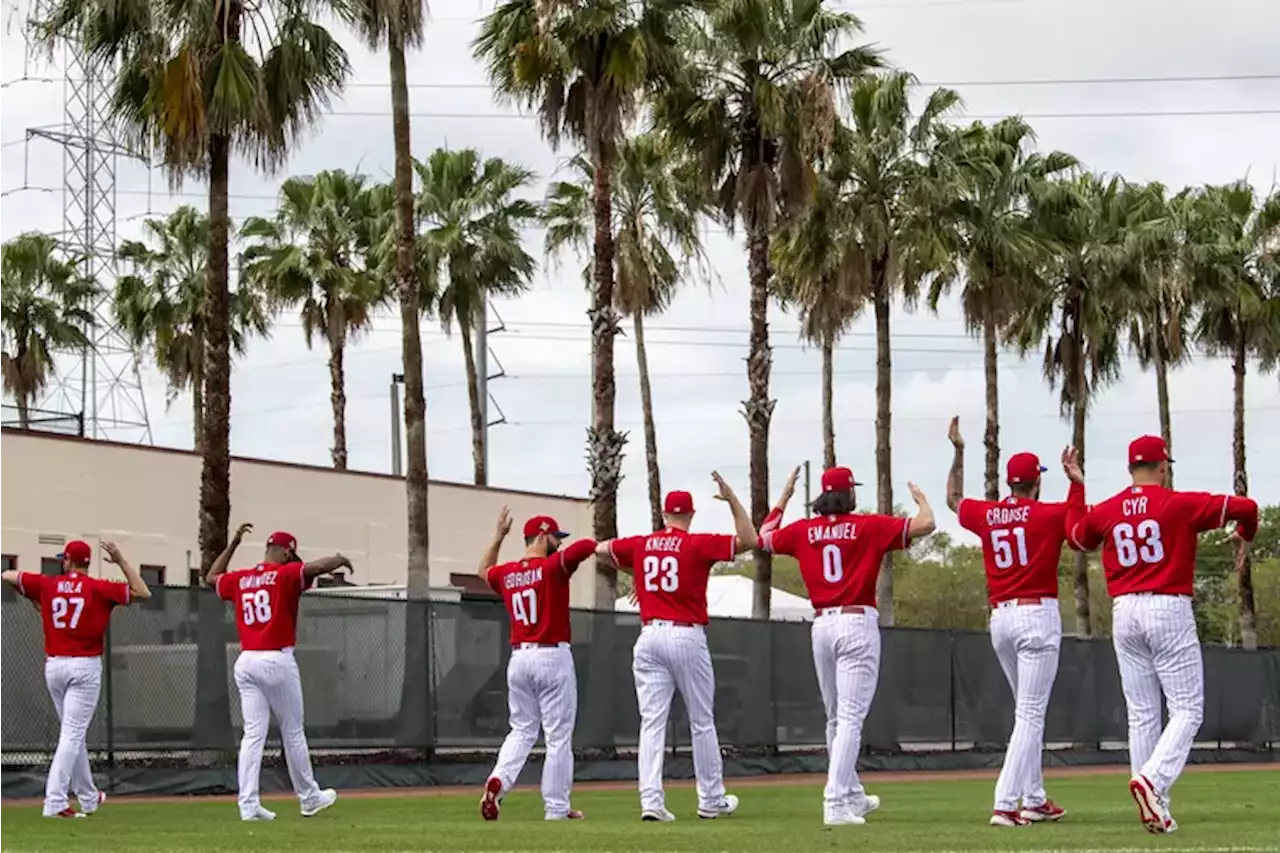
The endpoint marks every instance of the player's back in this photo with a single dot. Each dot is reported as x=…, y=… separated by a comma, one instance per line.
x=1149, y=536
x=672, y=567
x=535, y=591
x=75, y=610
x=1022, y=542
x=839, y=555
x=265, y=599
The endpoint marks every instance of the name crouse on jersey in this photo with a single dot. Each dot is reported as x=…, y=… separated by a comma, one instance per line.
x=839, y=555
x=1022, y=541
x=265, y=600
x=75, y=610
x=671, y=569
x=535, y=591
x=1149, y=535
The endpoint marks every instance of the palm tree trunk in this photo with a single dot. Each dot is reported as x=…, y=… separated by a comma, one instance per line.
x=884, y=470
x=759, y=408
x=1084, y=624
x=1075, y=364
x=213, y=703
x=473, y=399
x=1161, y=360
x=24, y=410
x=604, y=443
x=650, y=431
x=337, y=386
x=991, y=440
x=828, y=416
x=197, y=389
x=1244, y=564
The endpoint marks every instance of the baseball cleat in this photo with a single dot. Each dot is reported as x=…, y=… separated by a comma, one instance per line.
x=572, y=814
x=327, y=798
x=865, y=805
x=102, y=798
x=1001, y=817
x=727, y=806
x=1153, y=809
x=1046, y=811
x=260, y=814
x=841, y=816
x=491, y=802
x=67, y=812
x=662, y=815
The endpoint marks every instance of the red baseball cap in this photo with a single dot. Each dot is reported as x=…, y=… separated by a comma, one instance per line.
x=76, y=552
x=1024, y=468
x=839, y=479
x=283, y=540
x=1148, y=448
x=678, y=503
x=541, y=524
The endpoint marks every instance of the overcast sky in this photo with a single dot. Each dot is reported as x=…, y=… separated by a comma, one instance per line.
x=280, y=389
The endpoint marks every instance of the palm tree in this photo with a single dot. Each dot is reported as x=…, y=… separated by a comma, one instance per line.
x=1159, y=326
x=756, y=99
x=397, y=25
x=1090, y=285
x=817, y=273
x=1000, y=248
x=1235, y=266
x=196, y=79
x=471, y=234
x=893, y=199
x=583, y=65
x=160, y=304
x=312, y=256
x=46, y=308
x=657, y=199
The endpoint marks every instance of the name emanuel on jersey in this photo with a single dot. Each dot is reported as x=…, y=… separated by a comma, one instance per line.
x=829, y=532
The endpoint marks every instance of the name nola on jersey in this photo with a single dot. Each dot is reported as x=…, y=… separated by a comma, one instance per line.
x=824, y=532
x=1001, y=515
x=527, y=577
x=663, y=543
x=70, y=587
x=255, y=581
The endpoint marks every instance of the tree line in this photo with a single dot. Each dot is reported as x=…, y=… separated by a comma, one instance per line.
x=765, y=116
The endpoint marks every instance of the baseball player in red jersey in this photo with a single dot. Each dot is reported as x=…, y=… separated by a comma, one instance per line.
x=671, y=567
x=265, y=600
x=1148, y=535
x=542, y=687
x=839, y=552
x=76, y=610
x=1022, y=540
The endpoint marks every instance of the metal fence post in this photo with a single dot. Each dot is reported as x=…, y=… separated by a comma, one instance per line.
x=111, y=716
x=951, y=660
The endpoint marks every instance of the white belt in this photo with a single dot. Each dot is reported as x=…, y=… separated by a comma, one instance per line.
x=1026, y=601
x=669, y=623
x=527, y=646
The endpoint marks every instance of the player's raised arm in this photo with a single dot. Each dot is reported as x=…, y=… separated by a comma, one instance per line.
x=1209, y=512
x=955, y=478
x=577, y=554
x=1087, y=534
x=745, y=535
x=773, y=520
x=138, y=589
x=315, y=568
x=616, y=554
x=223, y=560
x=922, y=523
x=11, y=578
x=1076, y=507
x=489, y=558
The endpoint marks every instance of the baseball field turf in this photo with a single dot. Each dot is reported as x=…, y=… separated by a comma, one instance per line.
x=1217, y=812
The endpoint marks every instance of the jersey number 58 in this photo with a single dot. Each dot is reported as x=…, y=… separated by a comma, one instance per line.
x=255, y=607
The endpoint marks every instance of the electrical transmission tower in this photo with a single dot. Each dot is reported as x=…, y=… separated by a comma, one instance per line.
x=102, y=382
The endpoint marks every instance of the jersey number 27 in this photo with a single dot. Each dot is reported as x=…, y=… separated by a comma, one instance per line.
x=66, y=611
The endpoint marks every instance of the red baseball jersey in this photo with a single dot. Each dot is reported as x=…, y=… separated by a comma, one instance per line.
x=1022, y=541
x=536, y=593
x=75, y=610
x=1149, y=534
x=839, y=555
x=265, y=600
x=671, y=569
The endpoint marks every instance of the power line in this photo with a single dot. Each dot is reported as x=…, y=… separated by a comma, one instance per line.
x=966, y=115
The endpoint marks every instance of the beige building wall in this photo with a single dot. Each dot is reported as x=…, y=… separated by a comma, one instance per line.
x=57, y=488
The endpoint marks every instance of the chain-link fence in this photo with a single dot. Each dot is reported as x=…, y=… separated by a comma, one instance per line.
x=380, y=675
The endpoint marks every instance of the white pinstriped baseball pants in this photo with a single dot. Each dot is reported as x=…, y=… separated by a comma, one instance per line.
x=542, y=693
x=74, y=684
x=846, y=655
x=1026, y=639
x=1159, y=652
x=667, y=658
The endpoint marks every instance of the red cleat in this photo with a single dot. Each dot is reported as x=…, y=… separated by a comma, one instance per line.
x=1046, y=811
x=491, y=802
x=574, y=814
x=67, y=812
x=1004, y=818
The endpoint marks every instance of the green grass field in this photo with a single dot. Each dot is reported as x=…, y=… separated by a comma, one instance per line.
x=1218, y=812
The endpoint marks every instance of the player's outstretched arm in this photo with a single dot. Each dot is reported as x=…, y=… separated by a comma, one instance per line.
x=138, y=589
x=955, y=478
x=11, y=578
x=606, y=557
x=490, y=556
x=922, y=523
x=315, y=568
x=223, y=560
x=746, y=537
x=773, y=520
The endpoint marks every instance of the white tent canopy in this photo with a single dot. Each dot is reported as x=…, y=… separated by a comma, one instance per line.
x=730, y=596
